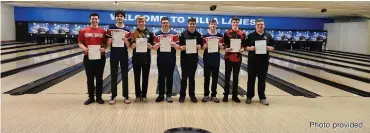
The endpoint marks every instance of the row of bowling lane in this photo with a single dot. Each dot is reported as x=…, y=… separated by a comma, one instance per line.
x=323, y=74
x=367, y=58
x=31, y=52
x=30, y=47
x=337, y=68
x=325, y=60
x=16, y=45
x=343, y=58
x=31, y=75
x=29, y=61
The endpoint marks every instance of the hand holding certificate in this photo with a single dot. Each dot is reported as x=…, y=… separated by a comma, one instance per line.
x=141, y=45
x=260, y=47
x=212, y=45
x=235, y=44
x=94, y=52
x=165, y=45
x=118, y=38
x=191, y=46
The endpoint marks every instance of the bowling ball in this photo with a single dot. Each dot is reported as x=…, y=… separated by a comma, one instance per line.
x=186, y=130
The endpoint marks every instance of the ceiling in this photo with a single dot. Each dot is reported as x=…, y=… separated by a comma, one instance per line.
x=245, y=8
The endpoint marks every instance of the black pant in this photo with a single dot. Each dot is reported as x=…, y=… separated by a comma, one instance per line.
x=165, y=73
x=208, y=71
x=94, y=70
x=124, y=73
x=188, y=72
x=138, y=68
x=235, y=67
x=257, y=67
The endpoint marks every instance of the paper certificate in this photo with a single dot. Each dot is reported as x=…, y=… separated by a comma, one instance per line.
x=191, y=46
x=141, y=45
x=212, y=45
x=118, y=38
x=260, y=47
x=235, y=44
x=94, y=52
x=165, y=45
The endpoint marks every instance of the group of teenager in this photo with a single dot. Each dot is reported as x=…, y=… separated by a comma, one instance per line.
x=119, y=38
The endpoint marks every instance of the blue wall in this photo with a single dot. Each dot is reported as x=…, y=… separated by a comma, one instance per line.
x=107, y=17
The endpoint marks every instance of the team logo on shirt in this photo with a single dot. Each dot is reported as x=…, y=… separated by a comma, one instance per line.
x=265, y=37
x=94, y=35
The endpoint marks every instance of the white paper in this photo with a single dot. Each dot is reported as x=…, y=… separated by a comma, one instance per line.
x=212, y=45
x=235, y=44
x=141, y=45
x=118, y=39
x=191, y=46
x=260, y=47
x=94, y=52
x=165, y=45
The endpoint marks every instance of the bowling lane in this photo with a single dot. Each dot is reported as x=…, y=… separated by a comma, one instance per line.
x=31, y=52
x=9, y=46
x=19, y=79
x=331, y=57
x=37, y=46
x=75, y=84
x=325, y=75
x=341, y=69
x=326, y=60
x=344, y=56
x=37, y=59
x=306, y=83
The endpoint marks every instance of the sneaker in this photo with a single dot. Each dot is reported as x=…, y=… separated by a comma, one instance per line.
x=225, y=99
x=126, y=101
x=159, y=99
x=169, y=99
x=214, y=99
x=144, y=99
x=89, y=101
x=236, y=99
x=138, y=99
x=248, y=101
x=194, y=99
x=100, y=101
x=264, y=102
x=205, y=99
x=112, y=101
x=182, y=99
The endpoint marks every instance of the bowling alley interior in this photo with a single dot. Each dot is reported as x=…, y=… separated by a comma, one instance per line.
x=185, y=67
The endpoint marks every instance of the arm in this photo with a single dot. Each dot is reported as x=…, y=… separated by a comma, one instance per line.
x=182, y=42
x=270, y=45
x=81, y=41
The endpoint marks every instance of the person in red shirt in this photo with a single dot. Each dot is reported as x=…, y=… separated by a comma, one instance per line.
x=233, y=59
x=89, y=38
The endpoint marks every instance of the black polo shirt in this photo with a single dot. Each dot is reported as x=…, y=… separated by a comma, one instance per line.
x=189, y=58
x=252, y=37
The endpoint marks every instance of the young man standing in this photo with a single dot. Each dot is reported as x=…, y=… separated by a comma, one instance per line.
x=88, y=39
x=189, y=60
x=233, y=59
x=141, y=59
x=166, y=59
x=118, y=40
x=211, y=61
x=258, y=63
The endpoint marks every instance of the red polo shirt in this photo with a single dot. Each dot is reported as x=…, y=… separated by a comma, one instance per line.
x=92, y=36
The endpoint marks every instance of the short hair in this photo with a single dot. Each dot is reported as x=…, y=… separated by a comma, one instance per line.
x=259, y=20
x=120, y=12
x=94, y=14
x=140, y=18
x=192, y=20
x=212, y=21
x=235, y=18
x=164, y=18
